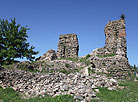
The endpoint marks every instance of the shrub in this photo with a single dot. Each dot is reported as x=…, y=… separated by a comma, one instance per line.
x=122, y=16
x=87, y=56
x=67, y=65
x=136, y=78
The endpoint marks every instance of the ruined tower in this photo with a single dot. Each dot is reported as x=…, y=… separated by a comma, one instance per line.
x=112, y=59
x=68, y=46
x=115, y=33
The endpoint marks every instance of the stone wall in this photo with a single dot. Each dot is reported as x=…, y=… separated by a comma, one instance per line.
x=115, y=33
x=112, y=59
x=49, y=55
x=68, y=46
x=83, y=88
x=115, y=66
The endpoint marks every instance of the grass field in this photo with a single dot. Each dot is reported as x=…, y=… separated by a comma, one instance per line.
x=128, y=94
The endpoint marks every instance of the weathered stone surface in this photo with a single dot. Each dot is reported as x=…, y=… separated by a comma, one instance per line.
x=68, y=46
x=115, y=33
x=27, y=65
x=35, y=84
x=51, y=66
x=49, y=55
x=85, y=71
x=112, y=59
x=115, y=66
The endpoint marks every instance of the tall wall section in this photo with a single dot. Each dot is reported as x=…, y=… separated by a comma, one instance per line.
x=115, y=33
x=68, y=46
x=112, y=59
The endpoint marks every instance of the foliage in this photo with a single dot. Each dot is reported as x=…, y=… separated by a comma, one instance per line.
x=135, y=68
x=9, y=95
x=85, y=60
x=67, y=65
x=123, y=16
x=107, y=55
x=132, y=72
x=129, y=94
x=136, y=78
x=87, y=56
x=13, y=42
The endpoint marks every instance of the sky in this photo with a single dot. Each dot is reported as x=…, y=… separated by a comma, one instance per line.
x=47, y=19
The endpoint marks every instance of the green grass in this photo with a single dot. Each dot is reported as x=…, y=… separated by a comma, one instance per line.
x=84, y=60
x=129, y=94
x=70, y=59
x=87, y=56
x=11, y=66
x=9, y=95
x=68, y=71
x=107, y=55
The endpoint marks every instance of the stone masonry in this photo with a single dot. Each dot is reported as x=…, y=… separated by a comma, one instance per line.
x=83, y=88
x=49, y=55
x=116, y=37
x=68, y=46
x=112, y=59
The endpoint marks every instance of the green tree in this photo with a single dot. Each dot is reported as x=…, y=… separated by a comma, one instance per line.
x=13, y=42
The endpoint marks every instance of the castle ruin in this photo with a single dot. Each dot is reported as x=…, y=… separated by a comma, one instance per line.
x=112, y=59
x=68, y=46
x=116, y=37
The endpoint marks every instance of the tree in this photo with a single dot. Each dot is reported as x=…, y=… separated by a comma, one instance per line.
x=13, y=42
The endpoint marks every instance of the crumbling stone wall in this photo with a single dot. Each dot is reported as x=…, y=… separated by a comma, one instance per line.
x=49, y=55
x=68, y=46
x=115, y=66
x=115, y=33
x=112, y=59
x=35, y=84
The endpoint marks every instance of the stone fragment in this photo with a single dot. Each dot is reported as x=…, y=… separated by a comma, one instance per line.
x=79, y=97
x=85, y=71
x=96, y=90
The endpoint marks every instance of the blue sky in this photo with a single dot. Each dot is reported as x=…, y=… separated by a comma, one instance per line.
x=47, y=19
